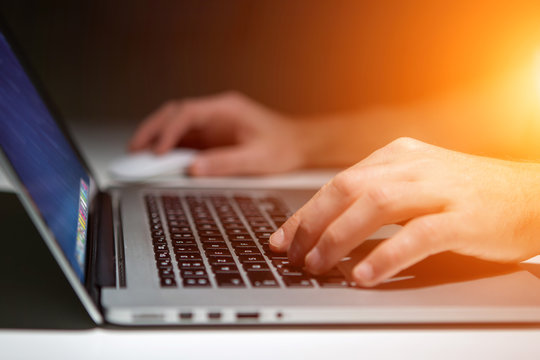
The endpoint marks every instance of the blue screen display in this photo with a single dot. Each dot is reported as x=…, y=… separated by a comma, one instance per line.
x=43, y=159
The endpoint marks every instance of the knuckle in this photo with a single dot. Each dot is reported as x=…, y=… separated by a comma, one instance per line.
x=344, y=184
x=379, y=198
x=332, y=238
x=306, y=230
x=170, y=105
x=188, y=107
x=425, y=231
x=233, y=95
x=405, y=144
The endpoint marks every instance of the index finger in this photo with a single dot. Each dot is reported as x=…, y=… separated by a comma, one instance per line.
x=300, y=233
x=151, y=127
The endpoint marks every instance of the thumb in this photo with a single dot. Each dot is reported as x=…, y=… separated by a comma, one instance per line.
x=224, y=161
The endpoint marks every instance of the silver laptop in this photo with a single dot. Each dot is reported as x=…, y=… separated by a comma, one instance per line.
x=151, y=256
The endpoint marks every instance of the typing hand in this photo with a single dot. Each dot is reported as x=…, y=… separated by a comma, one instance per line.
x=446, y=200
x=238, y=135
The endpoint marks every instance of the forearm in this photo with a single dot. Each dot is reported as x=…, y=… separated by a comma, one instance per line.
x=501, y=120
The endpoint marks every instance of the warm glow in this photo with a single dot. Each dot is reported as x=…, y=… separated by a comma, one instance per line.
x=537, y=73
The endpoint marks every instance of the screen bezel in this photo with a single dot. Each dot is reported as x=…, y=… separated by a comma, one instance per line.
x=79, y=286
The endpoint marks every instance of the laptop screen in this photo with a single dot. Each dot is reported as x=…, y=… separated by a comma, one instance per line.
x=43, y=159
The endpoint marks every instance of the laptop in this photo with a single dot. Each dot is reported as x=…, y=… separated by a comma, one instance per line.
x=144, y=255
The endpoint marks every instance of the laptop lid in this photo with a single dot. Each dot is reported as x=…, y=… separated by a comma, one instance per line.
x=53, y=182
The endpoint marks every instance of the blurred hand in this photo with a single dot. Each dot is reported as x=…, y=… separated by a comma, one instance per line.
x=237, y=135
x=446, y=200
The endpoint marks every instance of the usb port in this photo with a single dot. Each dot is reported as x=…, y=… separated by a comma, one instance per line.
x=185, y=316
x=214, y=315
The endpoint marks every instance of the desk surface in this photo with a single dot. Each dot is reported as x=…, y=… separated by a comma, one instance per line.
x=100, y=146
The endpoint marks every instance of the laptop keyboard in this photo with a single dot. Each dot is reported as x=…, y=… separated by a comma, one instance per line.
x=222, y=241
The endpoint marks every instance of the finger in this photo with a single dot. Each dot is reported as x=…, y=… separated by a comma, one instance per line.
x=300, y=232
x=151, y=126
x=420, y=238
x=224, y=161
x=308, y=223
x=379, y=205
x=178, y=123
x=196, y=114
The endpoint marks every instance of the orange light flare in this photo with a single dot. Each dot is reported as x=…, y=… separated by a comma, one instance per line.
x=537, y=74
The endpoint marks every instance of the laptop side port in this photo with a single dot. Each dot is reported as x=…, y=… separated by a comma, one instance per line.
x=247, y=316
x=214, y=315
x=185, y=316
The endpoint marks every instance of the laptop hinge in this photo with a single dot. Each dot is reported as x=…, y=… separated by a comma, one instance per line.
x=101, y=270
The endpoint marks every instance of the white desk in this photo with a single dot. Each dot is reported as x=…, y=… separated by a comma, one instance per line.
x=368, y=343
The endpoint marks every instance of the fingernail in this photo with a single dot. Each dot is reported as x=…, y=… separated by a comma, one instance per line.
x=314, y=260
x=278, y=238
x=364, y=272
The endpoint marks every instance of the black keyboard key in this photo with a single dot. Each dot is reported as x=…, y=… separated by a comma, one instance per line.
x=234, y=226
x=257, y=224
x=263, y=234
x=184, y=242
x=215, y=245
x=164, y=263
x=190, y=264
x=229, y=280
x=219, y=252
x=162, y=246
x=220, y=260
x=247, y=251
x=230, y=220
x=168, y=282
x=297, y=281
x=255, y=266
x=231, y=232
x=280, y=262
x=262, y=279
x=204, y=221
x=186, y=248
x=243, y=244
x=157, y=233
x=180, y=229
x=159, y=240
x=251, y=258
x=203, y=227
x=162, y=255
x=224, y=268
x=196, y=282
x=211, y=239
x=179, y=236
x=263, y=229
x=185, y=273
x=278, y=257
x=240, y=237
x=192, y=256
x=333, y=278
x=209, y=233
x=166, y=272
x=180, y=224
x=291, y=271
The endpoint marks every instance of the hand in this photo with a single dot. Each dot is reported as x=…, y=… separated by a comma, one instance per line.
x=238, y=135
x=446, y=200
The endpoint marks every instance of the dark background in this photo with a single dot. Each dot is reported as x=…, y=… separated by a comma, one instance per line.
x=122, y=58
